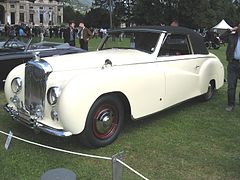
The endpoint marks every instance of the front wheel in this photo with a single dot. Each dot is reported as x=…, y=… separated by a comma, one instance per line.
x=104, y=122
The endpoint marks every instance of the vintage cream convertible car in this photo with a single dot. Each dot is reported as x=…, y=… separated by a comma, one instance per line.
x=135, y=72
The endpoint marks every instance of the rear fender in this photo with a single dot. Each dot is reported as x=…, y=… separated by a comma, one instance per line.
x=211, y=70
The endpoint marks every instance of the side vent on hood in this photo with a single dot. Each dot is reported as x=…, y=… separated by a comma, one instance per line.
x=107, y=64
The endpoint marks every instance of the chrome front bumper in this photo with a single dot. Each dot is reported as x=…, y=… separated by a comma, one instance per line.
x=33, y=124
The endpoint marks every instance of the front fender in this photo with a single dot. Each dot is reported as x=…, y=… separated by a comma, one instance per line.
x=76, y=99
x=18, y=71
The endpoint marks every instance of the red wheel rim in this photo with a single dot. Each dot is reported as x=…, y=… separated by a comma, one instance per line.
x=105, y=121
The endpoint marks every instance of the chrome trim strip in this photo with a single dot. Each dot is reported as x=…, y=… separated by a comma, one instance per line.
x=33, y=124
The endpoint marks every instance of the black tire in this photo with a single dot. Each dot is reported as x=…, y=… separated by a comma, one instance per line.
x=104, y=122
x=207, y=44
x=216, y=46
x=210, y=92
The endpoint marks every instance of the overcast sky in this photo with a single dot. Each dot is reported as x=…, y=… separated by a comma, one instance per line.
x=88, y=2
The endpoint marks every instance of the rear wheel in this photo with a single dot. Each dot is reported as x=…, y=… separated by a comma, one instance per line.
x=104, y=122
x=210, y=92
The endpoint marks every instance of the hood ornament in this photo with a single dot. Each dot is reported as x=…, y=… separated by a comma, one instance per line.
x=37, y=56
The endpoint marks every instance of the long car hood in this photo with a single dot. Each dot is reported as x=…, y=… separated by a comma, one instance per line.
x=97, y=59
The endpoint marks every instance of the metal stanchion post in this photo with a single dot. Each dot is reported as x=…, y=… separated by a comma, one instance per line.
x=8, y=141
x=117, y=168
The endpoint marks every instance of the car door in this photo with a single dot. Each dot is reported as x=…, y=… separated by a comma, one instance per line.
x=181, y=67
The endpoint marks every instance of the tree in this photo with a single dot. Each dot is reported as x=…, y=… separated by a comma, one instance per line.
x=193, y=14
x=236, y=4
x=225, y=9
x=98, y=18
x=119, y=15
x=189, y=13
x=78, y=17
x=122, y=10
x=149, y=12
x=103, y=4
x=71, y=15
x=170, y=10
x=68, y=14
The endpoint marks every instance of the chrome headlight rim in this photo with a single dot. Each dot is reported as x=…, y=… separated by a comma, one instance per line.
x=16, y=85
x=53, y=94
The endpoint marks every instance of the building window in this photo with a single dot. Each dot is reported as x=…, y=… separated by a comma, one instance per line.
x=59, y=9
x=31, y=18
x=12, y=6
x=12, y=17
x=59, y=19
x=21, y=7
x=31, y=7
x=21, y=17
x=41, y=18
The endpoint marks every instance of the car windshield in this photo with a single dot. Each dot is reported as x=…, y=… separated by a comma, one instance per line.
x=142, y=41
x=16, y=43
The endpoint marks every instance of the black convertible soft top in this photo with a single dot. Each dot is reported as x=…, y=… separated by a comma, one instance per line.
x=196, y=39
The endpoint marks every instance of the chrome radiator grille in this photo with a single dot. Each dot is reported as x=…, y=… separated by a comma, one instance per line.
x=36, y=74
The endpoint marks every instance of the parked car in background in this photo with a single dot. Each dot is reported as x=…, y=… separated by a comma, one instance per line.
x=2, y=42
x=134, y=73
x=2, y=29
x=14, y=52
x=212, y=40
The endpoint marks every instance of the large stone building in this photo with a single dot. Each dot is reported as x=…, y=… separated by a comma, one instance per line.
x=47, y=12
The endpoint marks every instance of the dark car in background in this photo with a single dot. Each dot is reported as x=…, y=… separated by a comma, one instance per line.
x=15, y=51
x=2, y=29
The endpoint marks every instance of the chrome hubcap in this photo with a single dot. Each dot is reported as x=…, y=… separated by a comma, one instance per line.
x=105, y=122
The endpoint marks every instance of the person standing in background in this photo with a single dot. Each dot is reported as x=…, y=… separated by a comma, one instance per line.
x=84, y=35
x=70, y=34
x=42, y=31
x=232, y=37
x=174, y=23
x=50, y=32
x=21, y=32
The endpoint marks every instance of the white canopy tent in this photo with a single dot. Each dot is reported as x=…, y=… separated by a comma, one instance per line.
x=222, y=26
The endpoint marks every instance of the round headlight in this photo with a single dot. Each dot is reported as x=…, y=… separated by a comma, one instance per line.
x=53, y=95
x=16, y=84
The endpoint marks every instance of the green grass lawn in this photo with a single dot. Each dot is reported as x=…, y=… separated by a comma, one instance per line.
x=193, y=140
